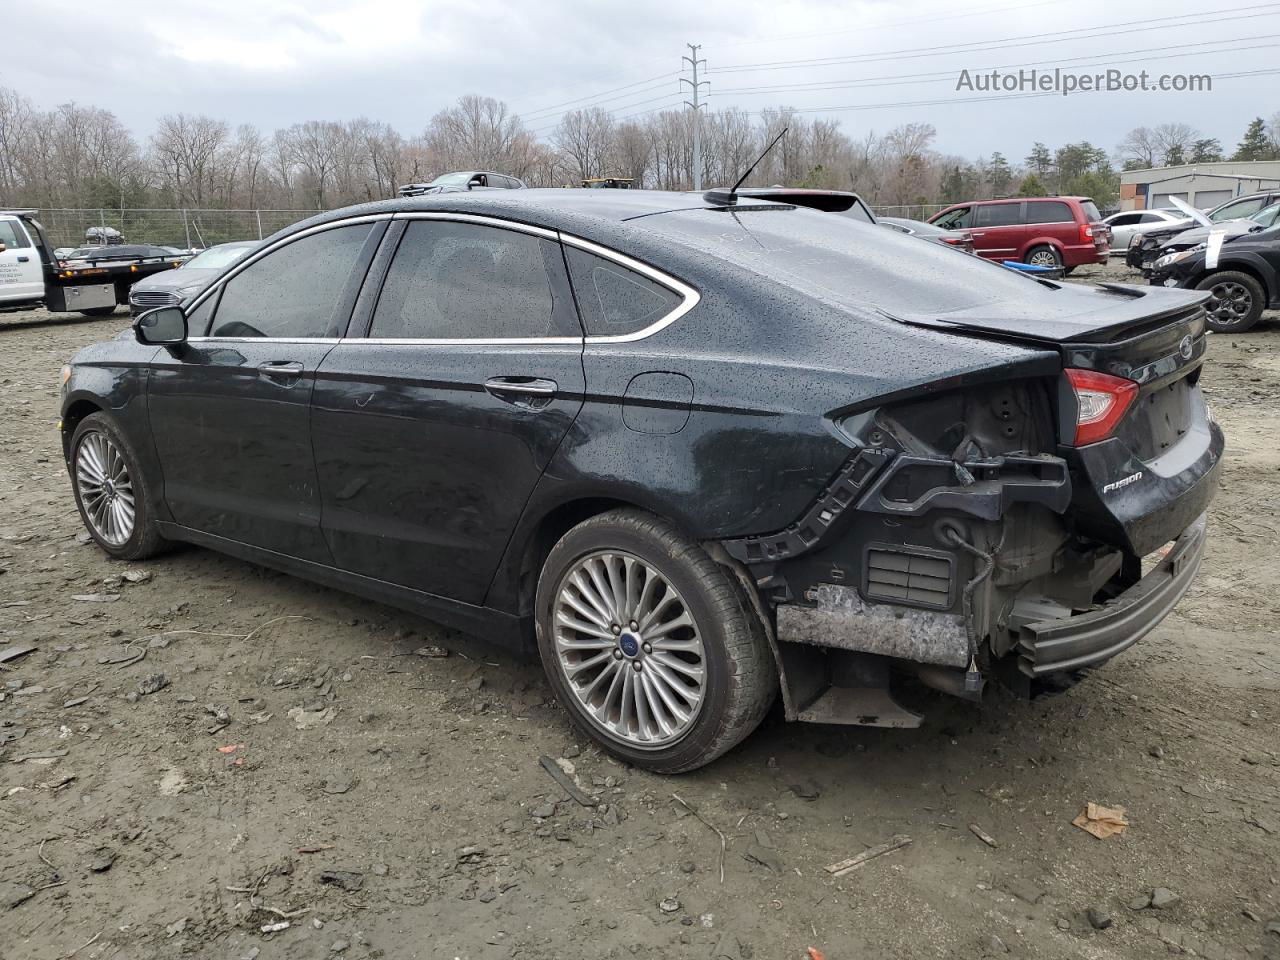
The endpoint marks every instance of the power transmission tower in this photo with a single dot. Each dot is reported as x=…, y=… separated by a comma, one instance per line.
x=696, y=105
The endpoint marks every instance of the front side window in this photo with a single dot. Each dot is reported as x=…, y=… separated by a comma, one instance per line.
x=1128, y=219
x=463, y=281
x=295, y=292
x=613, y=300
x=13, y=236
x=1237, y=210
x=1049, y=211
x=956, y=219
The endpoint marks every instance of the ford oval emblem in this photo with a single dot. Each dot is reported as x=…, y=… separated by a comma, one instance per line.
x=1185, y=347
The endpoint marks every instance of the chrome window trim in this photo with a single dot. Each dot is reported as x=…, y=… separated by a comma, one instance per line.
x=690, y=295
x=481, y=220
x=257, y=255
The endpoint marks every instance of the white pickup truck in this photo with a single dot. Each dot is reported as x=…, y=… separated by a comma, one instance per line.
x=21, y=269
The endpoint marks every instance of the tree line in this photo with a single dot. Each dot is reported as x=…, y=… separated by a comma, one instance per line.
x=83, y=156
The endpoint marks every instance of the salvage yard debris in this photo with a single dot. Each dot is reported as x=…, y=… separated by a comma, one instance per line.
x=1101, y=821
x=844, y=867
x=982, y=835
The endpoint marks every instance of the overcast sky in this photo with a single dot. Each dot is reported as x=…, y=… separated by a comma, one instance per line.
x=277, y=62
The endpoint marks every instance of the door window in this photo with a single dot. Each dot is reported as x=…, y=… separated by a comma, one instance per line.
x=13, y=236
x=463, y=281
x=999, y=215
x=613, y=300
x=298, y=292
x=1049, y=211
x=1129, y=219
x=956, y=219
x=1237, y=210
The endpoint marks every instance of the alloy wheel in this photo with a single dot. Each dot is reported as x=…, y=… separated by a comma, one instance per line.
x=1229, y=303
x=628, y=647
x=1043, y=258
x=106, y=490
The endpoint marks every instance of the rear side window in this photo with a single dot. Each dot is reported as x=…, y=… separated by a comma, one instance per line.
x=999, y=215
x=1053, y=211
x=295, y=292
x=1128, y=219
x=613, y=300
x=13, y=236
x=463, y=281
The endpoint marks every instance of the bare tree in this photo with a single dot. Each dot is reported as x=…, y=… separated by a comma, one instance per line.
x=1140, y=147
x=1173, y=141
x=186, y=151
x=585, y=137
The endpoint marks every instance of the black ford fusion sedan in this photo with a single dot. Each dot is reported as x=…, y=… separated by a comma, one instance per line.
x=698, y=451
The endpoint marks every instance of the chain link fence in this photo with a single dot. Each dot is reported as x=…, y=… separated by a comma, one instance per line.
x=78, y=227
x=910, y=211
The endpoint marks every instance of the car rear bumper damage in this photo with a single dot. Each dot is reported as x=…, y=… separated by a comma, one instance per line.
x=1087, y=639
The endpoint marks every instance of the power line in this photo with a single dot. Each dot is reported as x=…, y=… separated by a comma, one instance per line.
x=1034, y=39
x=626, y=106
x=900, y=79
x=661, y=76
x=988, y=99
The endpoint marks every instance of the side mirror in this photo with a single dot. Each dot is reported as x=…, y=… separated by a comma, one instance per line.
x=161, y=327
x=3, y=248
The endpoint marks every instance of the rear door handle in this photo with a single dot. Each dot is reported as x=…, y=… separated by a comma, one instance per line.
x=281, y=369
x=524, y=391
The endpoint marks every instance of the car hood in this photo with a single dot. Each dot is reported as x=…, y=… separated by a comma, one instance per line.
x=180, y=279
x=1197, y=235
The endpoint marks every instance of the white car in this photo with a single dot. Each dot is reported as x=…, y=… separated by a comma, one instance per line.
x=21, y=274
x=1134, y=223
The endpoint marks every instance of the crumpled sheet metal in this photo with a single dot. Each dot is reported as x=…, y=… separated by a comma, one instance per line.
x=841, y=618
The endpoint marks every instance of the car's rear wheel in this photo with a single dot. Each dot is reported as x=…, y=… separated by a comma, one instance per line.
x=1235, y=301
x=652, y=646
x=1043, y=256
x=111, y=492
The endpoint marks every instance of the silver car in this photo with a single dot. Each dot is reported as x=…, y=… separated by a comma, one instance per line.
x=1134, y=223
x=173, y=288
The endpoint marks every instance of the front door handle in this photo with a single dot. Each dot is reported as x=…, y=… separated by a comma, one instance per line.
x=532, y=392
x=24, y=259
x=281, y=369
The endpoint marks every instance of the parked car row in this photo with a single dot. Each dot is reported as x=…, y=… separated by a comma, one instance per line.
x=696, y=452
x=1055, y=232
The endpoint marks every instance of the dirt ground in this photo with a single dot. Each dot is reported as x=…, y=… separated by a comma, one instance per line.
x=309, y=761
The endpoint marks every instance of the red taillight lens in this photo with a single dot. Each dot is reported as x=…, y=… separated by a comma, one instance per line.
x=1101, y=400
x=1086, y=233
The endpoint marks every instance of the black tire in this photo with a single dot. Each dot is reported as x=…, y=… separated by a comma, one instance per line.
x=145, y=540
x=740, y=679
x=1044, y=255
x=98, y=312
x=1236, y=303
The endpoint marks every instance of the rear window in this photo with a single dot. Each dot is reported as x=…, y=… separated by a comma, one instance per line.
x=1052, y=211
x=842, y=261
x=12, y=235
x=1091, y=212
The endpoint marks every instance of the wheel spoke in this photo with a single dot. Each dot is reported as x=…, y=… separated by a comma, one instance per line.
x=105, y=488
x=599, y=614
x=604, y=593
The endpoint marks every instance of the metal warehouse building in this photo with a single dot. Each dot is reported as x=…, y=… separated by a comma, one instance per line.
x=1203, y=185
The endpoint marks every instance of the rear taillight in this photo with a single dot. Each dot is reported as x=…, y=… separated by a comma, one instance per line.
x=1101, y=401
x=1086, y=233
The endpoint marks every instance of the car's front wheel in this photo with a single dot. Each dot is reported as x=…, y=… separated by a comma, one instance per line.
x=651, y=645
x=111, y=492
x=1235, y=301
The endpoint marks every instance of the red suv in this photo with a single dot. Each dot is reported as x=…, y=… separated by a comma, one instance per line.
x=1062, y=232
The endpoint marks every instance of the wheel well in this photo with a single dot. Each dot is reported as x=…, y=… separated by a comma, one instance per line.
x=71, y=419
x=1247, y=270
x=552, y=527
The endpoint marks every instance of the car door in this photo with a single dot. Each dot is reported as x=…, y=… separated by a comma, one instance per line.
x=21, y=275
x=998, y=230
x=230, y=410
x=431, y=431
x=1123, y=226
